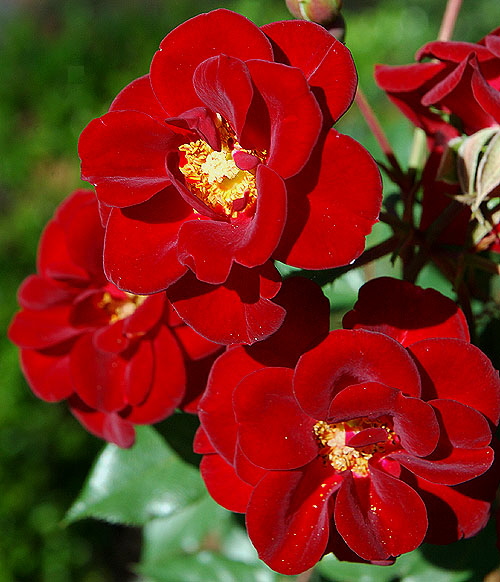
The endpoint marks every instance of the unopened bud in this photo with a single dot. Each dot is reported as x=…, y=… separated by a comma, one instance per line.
x=324, y=12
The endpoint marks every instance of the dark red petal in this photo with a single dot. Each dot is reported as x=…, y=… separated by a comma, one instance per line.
x=333, y=204
x=224, y=85
x=455, y=512
x=138, y=377
x=487, y=96
x=140, y=249
x=54, y=260
x=349, y=357
x=110, y=338
x=306, y=323
x=146, y=316
x=223, y=483
x=216, y=406
x=414, y=420
x=210, y=247
x=43, y=328
x=98, y=377
x=288, y=517
x=406, y=312
x=83, y=233
x=138, y=96
x=195, y=346
x=458, y=466
x=454, y=52
x=294, y=114
x=453, y=369
x=123, y=154
x=239, y=311
x=36, y=293
x=379, y=516
x=326, y=63
x=462, y=426
x=273, y=432
x=47, y=374
x=109, y=426
x=200, y=38
x=168, y=381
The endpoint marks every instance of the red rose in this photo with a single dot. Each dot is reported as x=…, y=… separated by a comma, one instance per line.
x=119, y=359
x=220, y=161
x=373, y=443
x=461, y=79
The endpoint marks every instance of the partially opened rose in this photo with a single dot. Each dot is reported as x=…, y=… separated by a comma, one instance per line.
x=221, y=160
x=118, y=359
x=378, y=439
x=456, y=87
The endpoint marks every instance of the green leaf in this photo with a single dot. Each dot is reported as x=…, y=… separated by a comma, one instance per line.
x=208, y=566
x=131, y=486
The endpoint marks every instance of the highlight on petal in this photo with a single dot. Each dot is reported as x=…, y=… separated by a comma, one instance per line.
x=405, y=312
x=200, y=38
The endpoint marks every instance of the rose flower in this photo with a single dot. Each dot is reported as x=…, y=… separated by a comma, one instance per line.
x=377, y=440
x=456, y=91
x=118, y=359
x=221, y=160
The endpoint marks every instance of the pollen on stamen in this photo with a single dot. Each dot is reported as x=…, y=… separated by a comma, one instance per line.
x=213, y=176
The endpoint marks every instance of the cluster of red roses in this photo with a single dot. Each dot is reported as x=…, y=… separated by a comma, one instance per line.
x=160, y=292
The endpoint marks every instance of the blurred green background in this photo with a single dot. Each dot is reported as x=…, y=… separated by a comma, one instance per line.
x=61, y=64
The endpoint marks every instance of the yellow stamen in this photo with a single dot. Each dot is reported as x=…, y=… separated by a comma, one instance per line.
x=332, y=441
x=214, y=178
x=118, y=308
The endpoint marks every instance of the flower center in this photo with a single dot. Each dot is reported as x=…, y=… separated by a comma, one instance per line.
x=223, y=180
x=120, y=307
x=366, y=438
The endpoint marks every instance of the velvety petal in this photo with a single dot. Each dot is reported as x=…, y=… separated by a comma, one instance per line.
x=333, y=204
x=36, y=293
x=42, y=328
x=349, y=357
x=273, y=432
x=123, y=154
x=306, y=323
x=294, y=114
x=326, y=63
x=414, y=421
x=138, y=96
x=47, y=373
x=460, y=511
x=462, y=426
x=454, y=52
x=405, y=312
x=487, y=96
x=224, y=85
x=197, y=372
x=200, y=38
x=98, y=377
x=138, y=375
x=110, y=338
x=193, y=344
x=168, y=381
x=379, y=516
x=210, y=247
x=140, y=249
x=239, y=311
x=453, y=369
x=146, y=316
x=216, y=406
x=54, y=260
x=458, y=466
x=109, y=426
x=83, y=232
x=288, y=517
x=223, y=483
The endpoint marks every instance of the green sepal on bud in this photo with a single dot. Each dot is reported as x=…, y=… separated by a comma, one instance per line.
x=324, y=12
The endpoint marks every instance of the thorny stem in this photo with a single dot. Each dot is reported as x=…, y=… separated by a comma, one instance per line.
x=449, y=19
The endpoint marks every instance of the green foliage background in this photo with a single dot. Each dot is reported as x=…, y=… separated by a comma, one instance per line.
x=61, y=64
